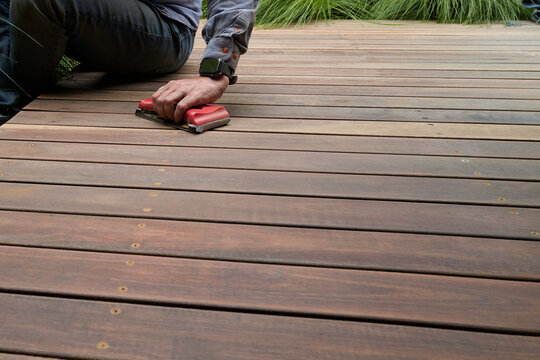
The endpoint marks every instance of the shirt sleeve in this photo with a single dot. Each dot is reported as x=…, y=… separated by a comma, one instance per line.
x=228, y=29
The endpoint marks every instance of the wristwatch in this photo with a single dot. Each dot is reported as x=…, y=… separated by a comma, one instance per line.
x=215, y=67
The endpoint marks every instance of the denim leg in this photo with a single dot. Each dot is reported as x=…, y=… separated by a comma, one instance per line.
x=120, y=36
x=4, y=35
x=7, y=93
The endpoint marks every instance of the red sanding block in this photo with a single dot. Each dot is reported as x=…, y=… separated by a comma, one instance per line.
x=196, y=119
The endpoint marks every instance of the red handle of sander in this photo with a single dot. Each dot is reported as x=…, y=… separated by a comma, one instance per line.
x=197, y=116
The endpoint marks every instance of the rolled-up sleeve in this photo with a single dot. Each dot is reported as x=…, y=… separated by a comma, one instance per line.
x=228, y=29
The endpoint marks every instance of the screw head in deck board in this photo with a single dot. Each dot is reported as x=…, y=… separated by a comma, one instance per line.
x=535, y=232
x=477, y=173
x=152, y=195
x=141, y=225
x=162, y=170
x=147, y=210
x=135, y=245
x=130, y=262
x=158, y=183
x=514, y=212
x=116, y=311
x=486, y=183
x=102, y=345
x=123, y=289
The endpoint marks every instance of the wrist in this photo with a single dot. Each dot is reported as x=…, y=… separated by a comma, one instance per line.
x=221, y=80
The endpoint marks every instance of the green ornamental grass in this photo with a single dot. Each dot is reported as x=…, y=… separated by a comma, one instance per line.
x=274, y=13
x=450, y=11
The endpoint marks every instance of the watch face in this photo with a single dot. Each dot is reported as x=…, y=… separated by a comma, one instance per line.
x=210, y=66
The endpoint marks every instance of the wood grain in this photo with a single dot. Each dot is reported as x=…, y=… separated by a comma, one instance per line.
x=52, y=326
x=268, y=141
x=330, y=101
x=466, y=256
x=345, y=214
x=310, y=112
x=274, y=183
x=354, y=294
x=248, y=159
x=375, y=196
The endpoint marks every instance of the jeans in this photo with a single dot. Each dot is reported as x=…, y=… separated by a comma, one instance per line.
x=117, y=36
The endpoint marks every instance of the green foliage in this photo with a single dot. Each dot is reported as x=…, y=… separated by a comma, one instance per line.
x=65, y=67
x=204, y=9
x=274, y=13
x=450, y=11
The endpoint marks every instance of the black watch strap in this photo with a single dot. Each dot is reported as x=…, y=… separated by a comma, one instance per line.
x=216, y=67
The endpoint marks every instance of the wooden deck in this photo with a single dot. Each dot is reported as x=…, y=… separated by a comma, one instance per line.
x=376, y=196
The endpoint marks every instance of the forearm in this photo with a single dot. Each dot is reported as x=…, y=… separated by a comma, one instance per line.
x=228, y=29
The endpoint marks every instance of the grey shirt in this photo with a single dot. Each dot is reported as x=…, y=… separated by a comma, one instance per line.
x=227, y=30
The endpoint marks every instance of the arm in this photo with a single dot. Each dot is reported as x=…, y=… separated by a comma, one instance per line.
x=226, y=33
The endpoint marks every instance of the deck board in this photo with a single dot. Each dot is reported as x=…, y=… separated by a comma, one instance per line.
x=218, y=335
x=383, y=207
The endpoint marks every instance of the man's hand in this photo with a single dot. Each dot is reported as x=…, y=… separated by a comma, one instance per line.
x=172, y=100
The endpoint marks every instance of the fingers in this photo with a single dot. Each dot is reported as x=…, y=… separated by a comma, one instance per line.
x=187, y=102
x=166, y=98
x=172, y=100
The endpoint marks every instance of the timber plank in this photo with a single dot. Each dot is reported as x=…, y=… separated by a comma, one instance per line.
x=352, y=45
x=377, y=128
x=410, y=73
x=412, y=298
x=345, y=214
x=274, y=141
x=365, y=64
x=274, y=183
x=301, y=161
x=466, y=256
x=387, y=91
x=382, y=55
x=142, y=332
x=314, y=100
x=290, y=112
x=84, y=80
